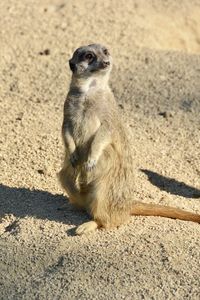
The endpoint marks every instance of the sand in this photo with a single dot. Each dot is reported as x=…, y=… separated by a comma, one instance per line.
x=156, y=81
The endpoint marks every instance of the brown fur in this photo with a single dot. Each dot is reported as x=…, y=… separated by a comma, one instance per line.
x=97, y=173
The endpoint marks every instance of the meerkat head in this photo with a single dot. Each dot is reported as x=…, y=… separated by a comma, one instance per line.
x=89, y=60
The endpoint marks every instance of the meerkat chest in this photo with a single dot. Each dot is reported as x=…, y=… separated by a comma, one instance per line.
x=84, y=122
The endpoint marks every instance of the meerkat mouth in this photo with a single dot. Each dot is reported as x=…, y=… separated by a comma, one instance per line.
x=102, y=67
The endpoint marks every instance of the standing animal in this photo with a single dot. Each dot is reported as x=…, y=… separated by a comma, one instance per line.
x=97, y=173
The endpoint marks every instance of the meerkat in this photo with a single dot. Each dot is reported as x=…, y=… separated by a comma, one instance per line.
x=97, y=172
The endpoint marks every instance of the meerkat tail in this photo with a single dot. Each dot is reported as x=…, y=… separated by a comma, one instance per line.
x=144, y=209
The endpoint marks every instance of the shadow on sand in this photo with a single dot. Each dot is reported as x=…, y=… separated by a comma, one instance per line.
x=23, y=202
x=171, y=185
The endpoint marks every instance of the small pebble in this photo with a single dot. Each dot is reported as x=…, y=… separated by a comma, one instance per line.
x=45, y=52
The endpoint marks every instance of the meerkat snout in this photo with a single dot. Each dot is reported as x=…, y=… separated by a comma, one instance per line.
x=105, y=64
x=90, y=59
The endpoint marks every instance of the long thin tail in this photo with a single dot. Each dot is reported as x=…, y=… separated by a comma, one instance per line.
x=144, y=209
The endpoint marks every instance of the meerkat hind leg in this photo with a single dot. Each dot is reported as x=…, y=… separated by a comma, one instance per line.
x=86, y=227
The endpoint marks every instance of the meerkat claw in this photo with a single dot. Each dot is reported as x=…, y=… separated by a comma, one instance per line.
x=90, y=164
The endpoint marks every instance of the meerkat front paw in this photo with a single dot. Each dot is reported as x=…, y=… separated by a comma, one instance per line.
x=86, y=228
x=90, y=164
x=74, y=159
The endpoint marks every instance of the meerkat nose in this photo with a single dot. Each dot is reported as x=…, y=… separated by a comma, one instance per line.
x=105, y=63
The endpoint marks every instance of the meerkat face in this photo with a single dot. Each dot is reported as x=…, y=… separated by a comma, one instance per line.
x=89, y=60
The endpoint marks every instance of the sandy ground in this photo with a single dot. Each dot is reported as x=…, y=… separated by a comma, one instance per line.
x=156, y=80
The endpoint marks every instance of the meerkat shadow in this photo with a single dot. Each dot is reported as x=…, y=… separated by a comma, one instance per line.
x=23, y=202
x=171, y=185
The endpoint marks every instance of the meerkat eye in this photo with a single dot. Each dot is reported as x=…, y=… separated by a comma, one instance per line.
x=89, y=56
x=105, y=51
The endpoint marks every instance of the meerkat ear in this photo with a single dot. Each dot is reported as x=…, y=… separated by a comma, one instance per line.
x=72, y=65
